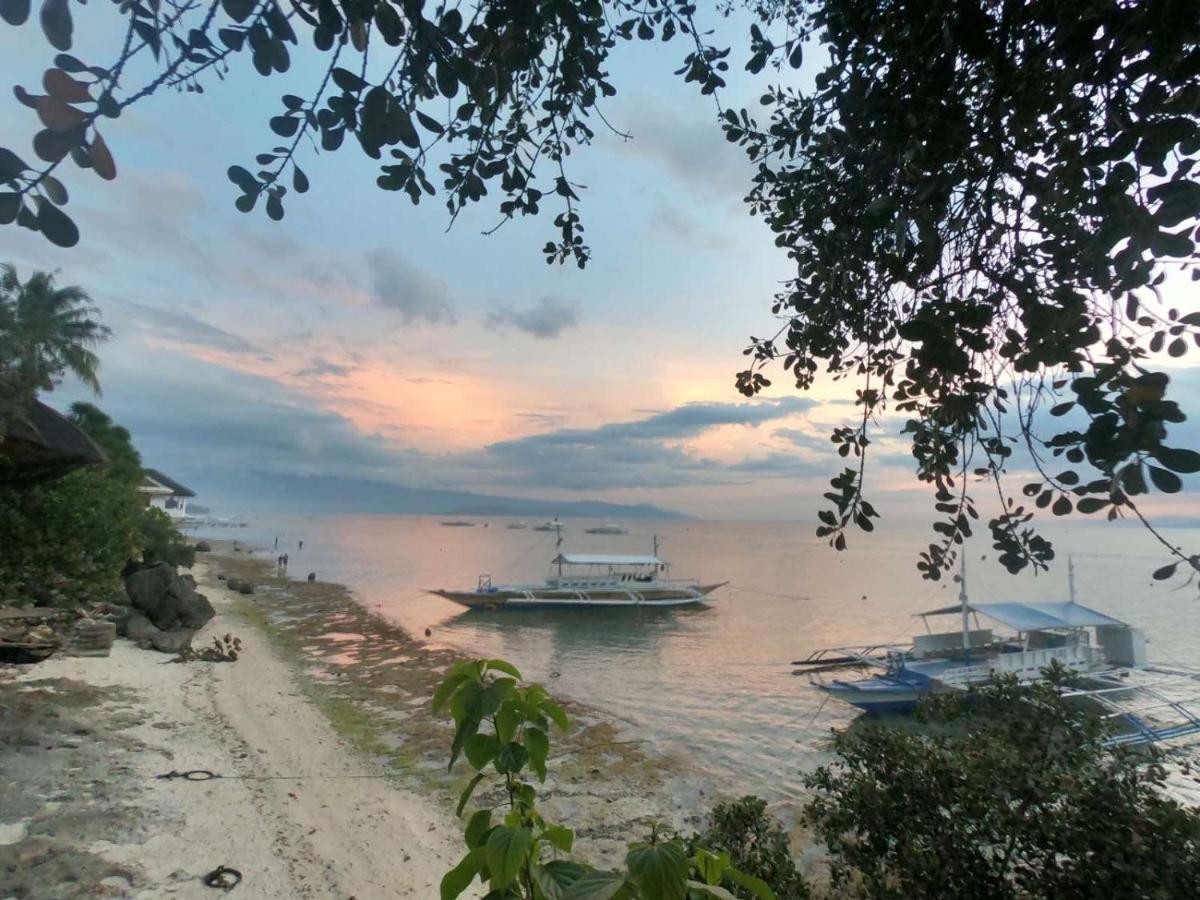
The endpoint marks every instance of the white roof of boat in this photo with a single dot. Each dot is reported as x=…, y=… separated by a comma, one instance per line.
x=1033, y=616
x=602, y=559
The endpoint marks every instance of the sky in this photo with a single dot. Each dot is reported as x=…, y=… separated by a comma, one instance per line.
x=362, y=339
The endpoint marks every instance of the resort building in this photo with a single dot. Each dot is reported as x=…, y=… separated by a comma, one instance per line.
x=165, y=493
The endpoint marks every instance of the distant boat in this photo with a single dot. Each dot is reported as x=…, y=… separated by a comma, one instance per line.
x=607, y=529
x=516, y=525
x=458, y=523
x=549, y=526
x=585, y=580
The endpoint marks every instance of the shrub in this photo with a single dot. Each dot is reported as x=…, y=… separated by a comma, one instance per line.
x=1014, y=796
x=756, y=844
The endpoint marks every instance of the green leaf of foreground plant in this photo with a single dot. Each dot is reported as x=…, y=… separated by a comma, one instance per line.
x=459, y=878
x=481, y=749
x=711, y=866
x=599, y=886
x=501, y=665
x=467, y=792
x=538, y=746
x=554, y=878
x=560, y=837
x=477, y=828
x=448, y=686
x=755, y=886
x=709, y=890
x=507, y=850
x=660, y=870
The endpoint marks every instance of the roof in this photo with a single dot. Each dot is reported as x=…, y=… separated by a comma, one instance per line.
x=42, y=442
x=176, y=488
x=1033, y=616
x=600, y=559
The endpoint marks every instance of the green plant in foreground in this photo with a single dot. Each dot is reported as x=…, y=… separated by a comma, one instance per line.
x=756, y=844
x=503, y=730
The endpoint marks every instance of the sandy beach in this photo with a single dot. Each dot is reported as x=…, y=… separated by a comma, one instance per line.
x=298, y=811
x=333, y=779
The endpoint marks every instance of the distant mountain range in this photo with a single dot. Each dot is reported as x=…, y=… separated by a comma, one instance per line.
x=286, y=493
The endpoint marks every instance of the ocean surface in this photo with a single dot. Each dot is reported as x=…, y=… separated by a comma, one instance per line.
x=712, y=685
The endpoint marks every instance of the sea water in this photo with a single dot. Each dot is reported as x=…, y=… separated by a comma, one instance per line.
x=713, y=684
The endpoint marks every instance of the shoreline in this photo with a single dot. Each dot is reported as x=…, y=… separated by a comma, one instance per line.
x=297, y=810
x=373, y=680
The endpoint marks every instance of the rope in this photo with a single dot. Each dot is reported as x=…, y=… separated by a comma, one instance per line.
x=750, y=590
x=206, y=775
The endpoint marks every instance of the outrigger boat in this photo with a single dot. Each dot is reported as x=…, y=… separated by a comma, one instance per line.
x=587, y=580
x=1109, y=656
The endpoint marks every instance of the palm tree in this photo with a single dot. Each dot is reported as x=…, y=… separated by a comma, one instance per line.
x=45, y=332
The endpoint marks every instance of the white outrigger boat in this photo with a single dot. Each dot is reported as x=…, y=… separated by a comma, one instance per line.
x=1153, y=703
x=590, y=580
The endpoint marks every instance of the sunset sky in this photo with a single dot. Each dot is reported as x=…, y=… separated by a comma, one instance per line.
x=359, y=339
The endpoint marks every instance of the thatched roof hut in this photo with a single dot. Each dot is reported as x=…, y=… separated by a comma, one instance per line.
x=43, y=443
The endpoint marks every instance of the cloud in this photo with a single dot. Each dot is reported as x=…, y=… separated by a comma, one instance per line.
x=694, y=150
x=184, y=328
x=639, y=453
x=321, y=367
x=547, y=318
x=399, y=285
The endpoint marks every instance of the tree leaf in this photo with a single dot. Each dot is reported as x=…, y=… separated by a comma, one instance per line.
x=57, y=24
x=238, y=10
x=507, y=850
x=467, y=792
x=60, y=85
x=58, y=116
x=477, y=828
x=1166, y=481
x=14, y=12
x=299, y=180
x=480, y=749
x=560, y=836
x=101, y=157
x=1178, y=460
x=598, y=886
x=11, y=165
x=748, y=882
x=1165, y=572
x=660, y=870
x=55, y=224
x=460, y=877
x=553, y=878
x=511, y=758
x=10, y=205
x=53, y=188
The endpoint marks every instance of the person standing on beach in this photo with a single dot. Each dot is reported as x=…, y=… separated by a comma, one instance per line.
x=276, y=543
x=302, y=545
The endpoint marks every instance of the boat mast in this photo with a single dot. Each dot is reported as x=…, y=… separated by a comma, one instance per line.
x=655, y=554
x=962, y=597
x=1071, y=577
x=558, y=543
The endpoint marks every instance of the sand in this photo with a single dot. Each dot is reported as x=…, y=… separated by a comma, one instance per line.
x=82, y=813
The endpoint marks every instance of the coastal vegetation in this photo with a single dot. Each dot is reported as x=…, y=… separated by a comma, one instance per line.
x=983, y=202
x=68, y=539
x=1010, y=793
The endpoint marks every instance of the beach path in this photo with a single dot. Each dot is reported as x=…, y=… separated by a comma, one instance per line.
x=88, y=817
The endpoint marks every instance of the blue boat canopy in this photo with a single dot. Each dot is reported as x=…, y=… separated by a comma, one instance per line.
x=1033, y=616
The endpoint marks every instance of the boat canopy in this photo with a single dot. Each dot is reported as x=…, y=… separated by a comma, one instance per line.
x=600, y=559
x=1033, y=616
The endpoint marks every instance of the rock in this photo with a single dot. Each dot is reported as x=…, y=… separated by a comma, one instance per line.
x=312, y=576
x=166, y=598
x=120, y=617
x=245, y=587
x=143, y=633
x=139, y=629
x=233, y=583
x=220, y=576
x=172, y=641
x=203, y=547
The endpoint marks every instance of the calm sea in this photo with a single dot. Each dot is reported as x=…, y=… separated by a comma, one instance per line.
x=713, y=684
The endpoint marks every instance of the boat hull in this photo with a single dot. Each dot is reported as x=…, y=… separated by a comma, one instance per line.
x=896, y=699
x=541, y=598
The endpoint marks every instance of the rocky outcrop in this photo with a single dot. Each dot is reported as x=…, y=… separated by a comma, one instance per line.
x=166, y=599
x=204, y=547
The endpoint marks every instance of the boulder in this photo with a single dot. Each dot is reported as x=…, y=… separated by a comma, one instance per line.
x=233, y=583
x=142, y=632
x=203, y=547
x=166, y=598
x=245, y=587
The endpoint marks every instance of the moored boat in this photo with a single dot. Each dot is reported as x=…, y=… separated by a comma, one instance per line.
x=606, y=529
x=590, y=580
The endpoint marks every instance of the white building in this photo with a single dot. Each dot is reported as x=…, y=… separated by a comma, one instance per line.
x=165, y=493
